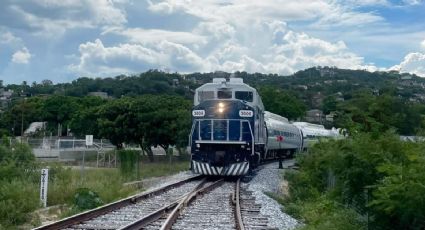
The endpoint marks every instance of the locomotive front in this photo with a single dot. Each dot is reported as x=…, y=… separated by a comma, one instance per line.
x=223, y=130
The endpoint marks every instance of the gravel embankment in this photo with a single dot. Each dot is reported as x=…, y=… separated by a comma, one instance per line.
x=268, y=180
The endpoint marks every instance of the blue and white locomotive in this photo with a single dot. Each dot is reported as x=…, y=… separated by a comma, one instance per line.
x=232, y=133
x=229, y=134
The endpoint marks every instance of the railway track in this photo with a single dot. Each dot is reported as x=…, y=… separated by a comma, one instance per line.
x=194, y=203
x=222, y=205
x=123, y=213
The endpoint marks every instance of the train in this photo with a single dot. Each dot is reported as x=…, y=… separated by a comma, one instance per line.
x=232, y=133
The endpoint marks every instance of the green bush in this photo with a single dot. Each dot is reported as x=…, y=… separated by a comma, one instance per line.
x=17, y=200
x=327, y=214
x=85, y=198
x=20, y=181
x=128, y=162
x=379, y=176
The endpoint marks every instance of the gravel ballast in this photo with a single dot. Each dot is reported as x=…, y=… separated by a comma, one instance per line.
x=269, y=179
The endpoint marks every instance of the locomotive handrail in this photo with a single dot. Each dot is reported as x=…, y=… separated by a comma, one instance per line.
x=228, y=140
x=197, y=122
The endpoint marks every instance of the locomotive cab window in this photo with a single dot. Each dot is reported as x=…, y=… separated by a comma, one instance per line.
x=205, y=95
x=244, y=95
x=224, y=94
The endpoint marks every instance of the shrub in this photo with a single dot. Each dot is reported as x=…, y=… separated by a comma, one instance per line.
x=85, y=198
x=128, y=162
x=380, y=176
x=18, y=199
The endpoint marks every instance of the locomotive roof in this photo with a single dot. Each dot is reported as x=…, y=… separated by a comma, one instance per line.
x=222, y=83
x=231, y=84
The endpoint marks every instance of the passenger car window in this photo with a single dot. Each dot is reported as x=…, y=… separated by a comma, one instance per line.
x=244, y=95
x=205, y=95
x=224, y=94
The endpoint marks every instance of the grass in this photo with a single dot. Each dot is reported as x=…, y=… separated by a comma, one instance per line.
x=19, y=198
x=317, y=212
x=106, y=182
x=148, y=170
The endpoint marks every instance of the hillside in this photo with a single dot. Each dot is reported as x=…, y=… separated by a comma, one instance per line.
x=323, y=95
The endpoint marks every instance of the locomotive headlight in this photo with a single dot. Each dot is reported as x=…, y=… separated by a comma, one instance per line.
x=220, y=107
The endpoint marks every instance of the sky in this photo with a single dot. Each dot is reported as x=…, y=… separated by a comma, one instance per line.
x=62, y=40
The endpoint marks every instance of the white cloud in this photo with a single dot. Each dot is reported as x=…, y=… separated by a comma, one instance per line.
x=423, y=44
x=412, y=2
x=98, y=12
x=265, y=46
x=216, y=29
x=329, y=13
x=7, y=37
x=96, y=59
x=412, y=63
x=46, y=26
x=53, y=18
x=105, y=13
x=143, y=36
x=224, y=38
x=342, y=16
x=368, y=2
x=270, y=46
x=21, y=56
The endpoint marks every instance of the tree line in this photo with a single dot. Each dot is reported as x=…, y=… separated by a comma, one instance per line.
x=146, y=120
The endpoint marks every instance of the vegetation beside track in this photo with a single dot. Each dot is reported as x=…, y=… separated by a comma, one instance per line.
x=20, y=184
x=366, y=181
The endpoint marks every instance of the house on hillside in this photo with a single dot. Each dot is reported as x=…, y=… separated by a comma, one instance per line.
x=326, y=71
x=103, y=95
x=303, y=87
x=317, y=100
x=5, y=98
x=315, y=116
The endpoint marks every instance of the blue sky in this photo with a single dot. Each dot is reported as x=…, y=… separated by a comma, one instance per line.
x=64, y=40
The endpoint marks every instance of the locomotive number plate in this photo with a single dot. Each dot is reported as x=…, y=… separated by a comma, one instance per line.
x=246, y=113
x=198, y=113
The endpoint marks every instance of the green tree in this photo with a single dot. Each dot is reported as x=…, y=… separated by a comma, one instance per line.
x=379, y=176
x=22, y=113
x=366, y=112
x=282, y=103
x=329, y=104
x=116, y=121
x=162, y=121
x=84, y=120
x=59, y=110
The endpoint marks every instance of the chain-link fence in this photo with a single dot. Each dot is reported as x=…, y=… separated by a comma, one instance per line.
x=63, y=143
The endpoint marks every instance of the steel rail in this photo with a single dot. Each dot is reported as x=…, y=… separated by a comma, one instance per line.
x=186, y=201
x=238, y=214
x=90, y=214
x=152, y=217
x=145, y=220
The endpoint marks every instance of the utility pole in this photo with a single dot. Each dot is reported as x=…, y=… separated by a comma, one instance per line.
x=22, y=124
x=22, y=118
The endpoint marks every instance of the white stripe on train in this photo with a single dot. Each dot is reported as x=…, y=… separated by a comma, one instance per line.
x=233, y=170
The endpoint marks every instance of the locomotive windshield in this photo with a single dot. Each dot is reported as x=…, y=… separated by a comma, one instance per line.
x=244, y=96
x=206, y=95
x=224, y=94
